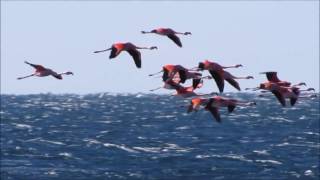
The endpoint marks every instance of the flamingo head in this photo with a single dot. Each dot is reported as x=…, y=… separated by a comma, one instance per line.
x=153, y=47
x=187, y=33
x=302, y=84
x=249, y=77
x=239, y=65
x=68, y=73
x=311, y=89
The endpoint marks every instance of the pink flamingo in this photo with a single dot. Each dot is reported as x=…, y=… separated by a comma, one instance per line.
x=42, y=72
x=171, y=34
x=117, y=48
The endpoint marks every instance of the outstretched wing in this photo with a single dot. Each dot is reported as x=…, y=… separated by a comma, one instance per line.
x=175, y=39
x=114, y=52
x=190, y=108
x=215, y=113
x=234, y=83
x=280, y=97
x=231, y=108
x=195, y=83
x=293, y=101
x=136, y=55
x=183, y=76
x=219, y=80
x=272, y=76
x=165, y=74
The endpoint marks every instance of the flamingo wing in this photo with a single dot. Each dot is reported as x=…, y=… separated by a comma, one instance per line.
x=190, y=108
x=183, y=76
x=293, y=101
x=114, y=52
x=234, y=83
x=231, y=108
x=136, y=55
x=165, y=74
x=272, y=76
x=219, y=80
x=175, y=39
x=195, y=83
x=215, y=113
x=280, y=97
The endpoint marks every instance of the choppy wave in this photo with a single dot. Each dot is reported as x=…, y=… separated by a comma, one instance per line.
x=147, y=136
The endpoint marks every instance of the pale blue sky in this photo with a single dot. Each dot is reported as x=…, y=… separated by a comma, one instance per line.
x=269, y=35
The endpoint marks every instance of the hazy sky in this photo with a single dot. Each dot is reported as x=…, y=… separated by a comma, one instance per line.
x=269, y=35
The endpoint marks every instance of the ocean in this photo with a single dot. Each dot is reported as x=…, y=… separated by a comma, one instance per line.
x=149, y=136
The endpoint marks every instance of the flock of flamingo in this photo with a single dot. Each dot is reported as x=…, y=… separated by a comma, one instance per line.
x=175, y=75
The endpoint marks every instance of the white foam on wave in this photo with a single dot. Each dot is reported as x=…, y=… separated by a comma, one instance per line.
x=123, y=147
x=182, y=128
x=308, y=173
x=52, y=142
x=65, y=154
x=262, y=152
x=269, y=161
x=148, y=149
x=164, y=116
x=22, y=126
x=312, y=133
x=229, y=156
x=92, y=141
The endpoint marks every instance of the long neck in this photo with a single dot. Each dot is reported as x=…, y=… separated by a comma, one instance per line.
x=102, y=50
x=152, y=47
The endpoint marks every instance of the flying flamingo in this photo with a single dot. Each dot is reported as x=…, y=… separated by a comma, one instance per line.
x=117, y=48
x=171, y=34
x=42, y=71
x=213, y=104
x=170, y=71
x=272, y=77
x=174, y=83
x=219, y=74
x=292, y=93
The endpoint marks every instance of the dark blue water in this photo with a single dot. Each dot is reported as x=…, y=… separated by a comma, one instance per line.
x=136, y=136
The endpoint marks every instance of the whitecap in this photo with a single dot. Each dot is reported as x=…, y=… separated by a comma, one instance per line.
x=182, y=128
x=22, y=126
x=148, y=149
x=262, y=152
x=166, y=116
x=120, y=147
x=202, y=156
x=269, y=161
x=308, y=173
x=65, y=154
x=52, y=142
x=312, y=133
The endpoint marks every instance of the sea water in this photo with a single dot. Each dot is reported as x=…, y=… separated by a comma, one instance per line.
x=148, y=136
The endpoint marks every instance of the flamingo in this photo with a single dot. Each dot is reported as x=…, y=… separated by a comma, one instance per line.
x=214, y=103
x=170, y=71
x=174, y=83
x=171, y=34
x=117, y=48
x=219, y=74
x=292, y=93
x=272, y=77
x=42, y=71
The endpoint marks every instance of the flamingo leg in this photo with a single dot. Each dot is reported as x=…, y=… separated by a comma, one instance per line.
x=155, y=89
x=25, y=77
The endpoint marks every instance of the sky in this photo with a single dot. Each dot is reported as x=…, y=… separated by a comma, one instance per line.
x=260, y=35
